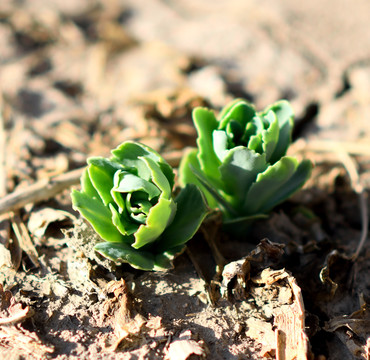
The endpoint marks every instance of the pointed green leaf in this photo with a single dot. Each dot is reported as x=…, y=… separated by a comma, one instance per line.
x=158, y=178
x=285, y=115
x=99, y=216
x=239, y=226
x=239, y=170
x=244, y=219
x=220, y=143
x=191, y=211
x=87, y=186
x=270, y=136
x=220, y=199
x=119, y=200
x=288, y=188
x=101, y=172
x=205, y=123
x=121, y=252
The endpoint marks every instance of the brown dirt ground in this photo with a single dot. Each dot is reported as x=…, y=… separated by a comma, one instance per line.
x=77, y=78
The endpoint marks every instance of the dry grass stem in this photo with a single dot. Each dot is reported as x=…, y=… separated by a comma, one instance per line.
x=351, y=168
x=39, y=191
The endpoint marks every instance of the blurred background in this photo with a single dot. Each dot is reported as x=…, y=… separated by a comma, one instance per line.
x=79, y=77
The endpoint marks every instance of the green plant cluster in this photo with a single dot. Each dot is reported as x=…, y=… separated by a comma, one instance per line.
x=128, y=199
x=238, y=167
x=240, y=163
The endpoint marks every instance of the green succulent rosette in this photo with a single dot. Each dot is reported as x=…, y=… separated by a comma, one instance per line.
x=241, y=163
x=128, y=200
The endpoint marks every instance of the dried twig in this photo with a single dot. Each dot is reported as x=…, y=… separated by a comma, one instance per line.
x=39, y=191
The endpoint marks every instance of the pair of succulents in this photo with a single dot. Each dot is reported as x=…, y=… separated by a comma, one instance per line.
x=238, y=167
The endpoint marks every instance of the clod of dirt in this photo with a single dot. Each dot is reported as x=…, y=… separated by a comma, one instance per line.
x=82, y=238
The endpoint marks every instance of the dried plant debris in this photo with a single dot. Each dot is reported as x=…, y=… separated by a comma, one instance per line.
x=42, y=221
x=354, y=331
x=12, y=312
x=13, y=337
x=82, y=238
x=278, y=319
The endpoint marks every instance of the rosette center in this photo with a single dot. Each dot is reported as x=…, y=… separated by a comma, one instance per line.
x=138, y=205
x=134, y=196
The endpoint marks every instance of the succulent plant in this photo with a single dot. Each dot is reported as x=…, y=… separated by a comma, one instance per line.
x=240, y=163
x=128, y=199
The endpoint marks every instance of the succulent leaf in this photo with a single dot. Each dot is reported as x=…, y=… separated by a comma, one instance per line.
x=284, y=114
x=129, y=183
x=101, y=172
x=123, y=223
x=191, y=211
x=189, y=165
x=239, y=170
x=205, y=122
x=270, y=136
x=87, y=186
x=275, y=184
x=238, y=110
x=98, y=215
x=122, y=252
x=220, y=143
